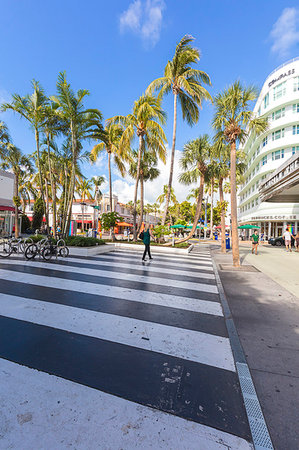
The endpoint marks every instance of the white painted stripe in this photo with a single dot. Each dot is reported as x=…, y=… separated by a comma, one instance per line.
x=167, y=256
x=150, y=268
x=119, y=276
x=196, y=265
x=92, y=419
x=187, y=344
x=135, y=295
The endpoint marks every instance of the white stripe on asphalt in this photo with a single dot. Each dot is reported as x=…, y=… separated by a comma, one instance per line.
x=118, y=275
x=167, y=256
x=186, y=344
x=135, y=295
x=147, y=268
x=123, y=424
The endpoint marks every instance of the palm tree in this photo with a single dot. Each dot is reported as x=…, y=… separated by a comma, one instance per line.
x=233, y=120
x=4, y=138
x=31, y=107
x=70, y=108
x=186, y=85
x=110, y=142
x=97, y=182
x=19, y=164
x=84, y=190
x=194, y=163
x=145, y=121
x=27, y=189
x=193, y=194
x=148, y=172
x=211, y=187
x=163, y=197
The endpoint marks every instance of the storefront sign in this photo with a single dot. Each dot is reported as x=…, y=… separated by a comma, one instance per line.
x=283, y=75
x=287, y=217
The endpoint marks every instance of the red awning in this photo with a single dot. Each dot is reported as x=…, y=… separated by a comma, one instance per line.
x=7, y=208
x=85, y=221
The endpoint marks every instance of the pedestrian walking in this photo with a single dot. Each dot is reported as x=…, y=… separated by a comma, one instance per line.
x=288, y=240
x=147, y=234
x=297, y=241
x=255, y=241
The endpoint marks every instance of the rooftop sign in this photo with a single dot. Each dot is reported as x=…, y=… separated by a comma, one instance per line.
x=283, y=75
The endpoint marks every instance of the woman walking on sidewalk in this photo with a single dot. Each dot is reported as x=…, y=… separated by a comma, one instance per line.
x=255, y=242
x=147, y=234
x=297, y=241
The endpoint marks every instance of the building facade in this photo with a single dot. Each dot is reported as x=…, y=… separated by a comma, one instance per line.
x=279, y=103
x=7, y=209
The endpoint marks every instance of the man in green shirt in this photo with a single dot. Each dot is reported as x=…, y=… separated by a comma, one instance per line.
x=255, y=241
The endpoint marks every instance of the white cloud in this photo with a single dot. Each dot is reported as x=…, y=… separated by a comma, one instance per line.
x=124, y=188
x=285, y=32
x=144, y=18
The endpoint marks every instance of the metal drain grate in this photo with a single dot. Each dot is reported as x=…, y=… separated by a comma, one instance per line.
x=259, y=431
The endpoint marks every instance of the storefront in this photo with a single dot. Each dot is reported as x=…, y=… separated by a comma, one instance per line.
x=7, y=210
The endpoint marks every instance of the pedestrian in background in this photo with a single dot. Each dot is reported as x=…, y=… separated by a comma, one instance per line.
x=288, y=240
x=147, y=234
x=297, y=241
x=255, y=242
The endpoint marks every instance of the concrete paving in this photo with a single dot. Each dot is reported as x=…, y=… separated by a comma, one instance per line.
x=267, y=319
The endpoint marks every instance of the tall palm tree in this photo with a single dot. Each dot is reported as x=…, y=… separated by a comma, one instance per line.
x=163, y=197
x=148, y=172
x=194, y=163
x=185, y=83
x=233, y=120
x=70, y=108
x=19, y=164
x=97, y=181
x=110, y=142
x=4, y=138
x=211, y=187
x=144, y=122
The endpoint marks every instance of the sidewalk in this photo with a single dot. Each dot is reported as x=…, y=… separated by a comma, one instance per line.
x=267, y=316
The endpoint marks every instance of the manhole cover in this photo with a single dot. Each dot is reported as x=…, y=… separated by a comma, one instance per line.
x=231, y=268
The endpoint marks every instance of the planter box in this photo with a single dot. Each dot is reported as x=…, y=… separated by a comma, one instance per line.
x=91, y=251
x=154, y=249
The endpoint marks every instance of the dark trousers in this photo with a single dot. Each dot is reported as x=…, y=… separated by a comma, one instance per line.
x=147, y=250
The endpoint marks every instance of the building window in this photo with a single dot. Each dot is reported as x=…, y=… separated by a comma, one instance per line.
x=277, y=155
x=279, y=91
x=264, y=160
x=258, y=151
x=296, y=84
x=295, y=149
x=265, y=140
x=256, y=201
x=295, y=129
x=108, y=208
x=277, y=134
x=296, y=108
x=259, y=111
x=278, y=114
x=266, y=101
x=252, y=204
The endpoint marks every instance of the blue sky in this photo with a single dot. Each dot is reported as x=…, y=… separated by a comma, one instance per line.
x=115, y=49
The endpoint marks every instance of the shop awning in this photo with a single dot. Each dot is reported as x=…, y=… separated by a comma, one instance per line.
x=123, y=224
x=177, y=226
x=85, y=221
x=248, y=227
x=7, y=208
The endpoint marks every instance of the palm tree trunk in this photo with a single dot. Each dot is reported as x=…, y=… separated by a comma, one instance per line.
x=16, y=192
x=233, y=200
x=52, y=187
x=136, y=186
x=110, y=181
x=197, y=214
x=212, y=204
x=221, y=198
x=141, y=200
x=40, y=174
x=47, y=204
x=72, y=182
x=172, y=160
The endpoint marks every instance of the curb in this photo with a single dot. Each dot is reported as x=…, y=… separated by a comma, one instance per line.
x=259, y=431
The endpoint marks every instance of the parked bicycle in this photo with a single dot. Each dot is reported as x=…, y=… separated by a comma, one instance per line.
x=13, y=245
x=46, y=248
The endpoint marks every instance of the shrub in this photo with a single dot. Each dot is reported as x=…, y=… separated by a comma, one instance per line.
x=38, y=213
x=25, y=223
x=81, y=241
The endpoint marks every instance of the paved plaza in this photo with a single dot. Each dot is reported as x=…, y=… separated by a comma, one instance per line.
x=106, y=352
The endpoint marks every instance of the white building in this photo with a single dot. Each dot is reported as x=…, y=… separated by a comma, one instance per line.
x=279, y=102
x=7, y=209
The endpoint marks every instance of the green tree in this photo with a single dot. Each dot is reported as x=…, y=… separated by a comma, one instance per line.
x=233, y=120
x=14, y=159
x=4, y=138
x=109, y=220
x=38, y=213
x=145, y=122
x=25, y=224
x=163, y=197
x=84, y=190
x=186, y=211
x=194, y=163
x=185, y=83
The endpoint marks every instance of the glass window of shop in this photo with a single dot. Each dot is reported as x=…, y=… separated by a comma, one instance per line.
x=266, y=100
x=296, y=108
x=295, y=129
x=277, y=155
x=6, y=222
x=296, y=84
x=278, y=114
x=295, y=149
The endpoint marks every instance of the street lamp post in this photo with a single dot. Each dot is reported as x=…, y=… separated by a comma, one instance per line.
x=206, y=219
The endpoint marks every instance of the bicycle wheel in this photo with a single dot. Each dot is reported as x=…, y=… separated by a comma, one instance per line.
x=5, y=249
x=31, y=251
x=64, y=252
x=47, y=253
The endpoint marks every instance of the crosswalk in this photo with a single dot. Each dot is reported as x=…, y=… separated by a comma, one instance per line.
x=146, y=338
